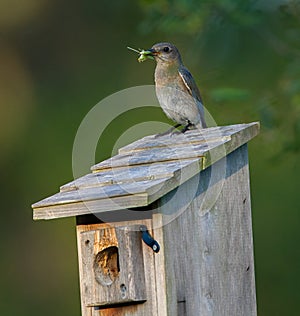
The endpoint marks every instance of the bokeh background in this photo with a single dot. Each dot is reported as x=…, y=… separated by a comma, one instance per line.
x=59, y=58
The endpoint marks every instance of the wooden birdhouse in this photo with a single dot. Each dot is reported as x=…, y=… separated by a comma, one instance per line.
x=164, y=227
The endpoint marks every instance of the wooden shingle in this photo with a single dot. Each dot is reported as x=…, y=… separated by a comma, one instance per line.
x=144, y=171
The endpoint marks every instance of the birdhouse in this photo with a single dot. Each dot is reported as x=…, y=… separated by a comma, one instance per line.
x=164, y=227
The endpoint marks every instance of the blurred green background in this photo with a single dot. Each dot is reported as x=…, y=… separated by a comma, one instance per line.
x=59, y=58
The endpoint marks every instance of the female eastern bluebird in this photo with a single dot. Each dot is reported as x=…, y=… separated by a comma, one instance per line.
x=176, y=89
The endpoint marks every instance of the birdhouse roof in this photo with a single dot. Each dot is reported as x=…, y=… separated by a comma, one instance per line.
x=144, y=171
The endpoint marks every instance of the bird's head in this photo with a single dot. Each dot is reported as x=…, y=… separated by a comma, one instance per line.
x=165, y=53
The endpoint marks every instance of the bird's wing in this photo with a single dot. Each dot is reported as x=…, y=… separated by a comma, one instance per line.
x=190, y=83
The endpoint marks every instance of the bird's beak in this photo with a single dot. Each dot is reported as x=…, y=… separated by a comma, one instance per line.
x=150, y=52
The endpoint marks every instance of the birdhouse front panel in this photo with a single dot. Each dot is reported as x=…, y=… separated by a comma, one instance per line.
x=113, y=261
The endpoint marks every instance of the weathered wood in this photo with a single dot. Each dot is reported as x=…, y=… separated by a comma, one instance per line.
x=208, y=255
x=194, y=137
x=127, y=174
x=154, y=155
x=136, y=275
x=144, y=171
x=194, y=197
x=113, y=267
x=89, y=207
x=113, y=197
x=205, y=265
x=160, y=268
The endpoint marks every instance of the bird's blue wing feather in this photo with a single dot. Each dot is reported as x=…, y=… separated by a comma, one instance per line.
x=191, y=86
x=190, y=83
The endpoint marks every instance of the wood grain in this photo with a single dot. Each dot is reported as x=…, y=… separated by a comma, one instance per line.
x=137, y=271
x=208, y=256
x=144, y=171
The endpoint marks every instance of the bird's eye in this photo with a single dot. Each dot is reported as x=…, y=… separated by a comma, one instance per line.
x=166, y=49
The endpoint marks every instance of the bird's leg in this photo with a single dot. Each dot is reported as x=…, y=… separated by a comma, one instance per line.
x=189, y=124
x=169, y=131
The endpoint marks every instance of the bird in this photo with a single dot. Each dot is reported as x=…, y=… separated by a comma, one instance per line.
x=176, y=89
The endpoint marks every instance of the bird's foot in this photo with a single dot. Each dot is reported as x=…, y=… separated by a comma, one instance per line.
x=187, y=127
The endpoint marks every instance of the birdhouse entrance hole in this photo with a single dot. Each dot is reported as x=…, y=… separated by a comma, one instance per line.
x=106, y=266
